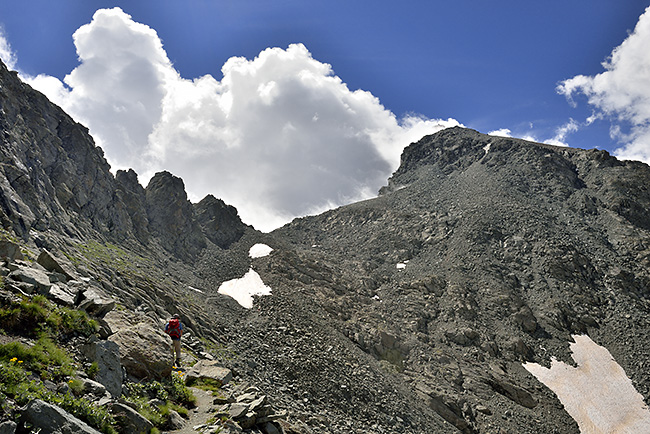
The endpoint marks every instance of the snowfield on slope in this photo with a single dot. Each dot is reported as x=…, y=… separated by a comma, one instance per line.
x=245, y=288
x=597, y=393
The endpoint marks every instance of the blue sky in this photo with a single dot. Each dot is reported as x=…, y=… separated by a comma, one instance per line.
x=486, y=65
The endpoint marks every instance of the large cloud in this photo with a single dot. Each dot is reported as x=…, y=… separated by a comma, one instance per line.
x=278, y=136
x=6, y=53
x=622, y=92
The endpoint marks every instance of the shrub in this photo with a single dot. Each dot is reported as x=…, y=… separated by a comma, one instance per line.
x=11, y=375
x=31, y=317
x=96, y=416
x=45, y=358
x=92, y=370
x=179, y=392
x=171, y=391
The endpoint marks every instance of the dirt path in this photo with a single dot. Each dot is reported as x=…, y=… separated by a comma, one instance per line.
x=200, y=414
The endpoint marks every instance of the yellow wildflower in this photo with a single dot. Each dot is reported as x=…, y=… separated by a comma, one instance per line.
x=20, y=361
x=14, y=359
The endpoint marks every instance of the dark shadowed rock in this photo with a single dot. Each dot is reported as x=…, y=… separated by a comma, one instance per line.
x=10, y=251
x=133, y=196
x=129, y=420
x=171, y=216
x=220, y=222
x=52, y=176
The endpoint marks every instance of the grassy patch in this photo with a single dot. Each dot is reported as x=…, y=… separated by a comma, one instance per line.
x=45, y=359
x=171, y=392
x=17, y=386
x=206, y=384
x=110, y=254
x=33, y=316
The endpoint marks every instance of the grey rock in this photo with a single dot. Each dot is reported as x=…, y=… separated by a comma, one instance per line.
x=130, y=420
x=93, y=388
x=8, y=427
x=270, y=428
x=107, y=356
x=10, y=250
x=176, y=421
x=95, y=302
x=220, y=222
x=32, y=276
x=60, y=294
x=145, y=351
x=171, y=216
x=53, y=420
x=208, y=369
x=56, y=264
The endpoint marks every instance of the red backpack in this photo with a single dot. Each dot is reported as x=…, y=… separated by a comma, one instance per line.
x=174, y=328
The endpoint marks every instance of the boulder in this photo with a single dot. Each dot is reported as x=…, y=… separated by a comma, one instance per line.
x=107, y=356
x=270, y=428
x=61, y=294
x=49, y=419
x=176, y=421
x=145, y=351
x=10, y=251
x=94, y=301
x=130, y=420
x=94, y=388
x=55, y=264
x=208, y=369
x=8, y=427
x=32, y=276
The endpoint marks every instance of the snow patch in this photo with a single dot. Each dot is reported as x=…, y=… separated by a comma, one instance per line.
x=259, y=251
x=597, y=393
x=402, y=265
x=243, y=289
x=486, y=148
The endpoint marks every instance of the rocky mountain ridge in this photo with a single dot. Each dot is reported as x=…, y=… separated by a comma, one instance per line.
x=408, y=313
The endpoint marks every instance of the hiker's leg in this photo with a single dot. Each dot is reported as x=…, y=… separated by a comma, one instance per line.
x=177, y=348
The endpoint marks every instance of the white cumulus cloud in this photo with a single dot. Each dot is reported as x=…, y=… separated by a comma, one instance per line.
x=7, y=55
x=622, y=92
x=278, y=136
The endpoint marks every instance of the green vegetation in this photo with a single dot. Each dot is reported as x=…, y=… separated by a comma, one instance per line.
x=45, y=359
x=206, y=384
x=18, y=366
x=24, y=368
x=31, y=317
x=92, y=370
x=171, y=392
x=110, y=254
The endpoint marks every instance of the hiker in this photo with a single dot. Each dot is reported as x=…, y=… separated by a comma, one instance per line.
x=174, y=329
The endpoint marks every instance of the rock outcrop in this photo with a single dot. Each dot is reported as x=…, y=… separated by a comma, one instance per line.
x=220, y=222
x=144, y=349
x=50, y=419
x=171, y=216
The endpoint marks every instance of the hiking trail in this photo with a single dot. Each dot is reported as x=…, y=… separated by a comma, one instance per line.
x=203, y=411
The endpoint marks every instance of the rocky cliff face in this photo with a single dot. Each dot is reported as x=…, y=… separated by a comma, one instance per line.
x=54, y=180
x=408, y=313
x=483, y=253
